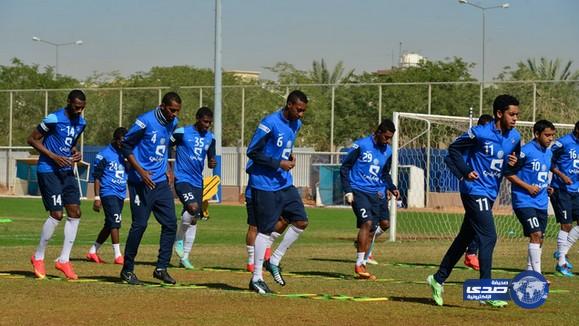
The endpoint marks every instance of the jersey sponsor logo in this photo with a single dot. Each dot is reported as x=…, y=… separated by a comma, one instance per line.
x=496, y=167
x=264, y=128
x=99, y=157
x=542, y=177
x=140, y=124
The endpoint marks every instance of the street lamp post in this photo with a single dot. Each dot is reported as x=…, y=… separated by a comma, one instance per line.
x=56, y=46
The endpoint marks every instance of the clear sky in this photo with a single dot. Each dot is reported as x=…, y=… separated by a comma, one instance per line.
x=134, y=35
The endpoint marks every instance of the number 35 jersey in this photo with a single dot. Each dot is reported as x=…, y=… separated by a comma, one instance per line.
x=192, y=149
x=272, y=142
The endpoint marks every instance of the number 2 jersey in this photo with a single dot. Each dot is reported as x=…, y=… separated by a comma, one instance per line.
x=532, y=167
x=272, y=142
x=60, y=135
x=483, y=149
x=566, y=159
x=148, y=140
x=109, y=169
x=192, y=148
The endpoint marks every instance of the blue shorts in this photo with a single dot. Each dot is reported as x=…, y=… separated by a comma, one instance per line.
x=532, y=219
x=113, y=207
x=370, y=207
x=566, y=206
x=188, y=194
x=158, y=200
x=270, y=205
x=249, y=207
x=58, y=189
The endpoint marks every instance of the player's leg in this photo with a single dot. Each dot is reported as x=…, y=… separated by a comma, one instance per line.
x=71, y=202
x=471, y=255
x=482, y=221
x=191, y=199
x=563, y=207
x=251, y=231
x=115, y=231
x=362, y=208
x=141, y=202
x=530, y=220
x=383, y=223
x=164, y=211
x=51, y=190
x=92, y=254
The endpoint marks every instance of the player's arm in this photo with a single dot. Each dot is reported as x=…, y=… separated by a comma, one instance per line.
x=558, y=150
x=256, y=149
x=390, y=186
x=211, y=161
x=511, y=175
x=347, y=165
x=462, y=145
x=37, y=135
x=132, y=138
x=453, y=169
x=98, y=171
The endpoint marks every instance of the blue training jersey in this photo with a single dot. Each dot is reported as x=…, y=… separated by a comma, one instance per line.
x=532, y=167
x=272, y=142
x=367, y=167
x=60, y=135
x=566, y=159
x=109, y=169
x=148, y=140
x=483, y=149
x=192, y=148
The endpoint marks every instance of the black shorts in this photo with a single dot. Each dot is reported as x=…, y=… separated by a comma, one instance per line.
x=249, y=207
x=113, y=207
x=532, y=219
x=566, y=206
x=58, y=189
x=189, y=194
x=270, y=205
x=370, y=207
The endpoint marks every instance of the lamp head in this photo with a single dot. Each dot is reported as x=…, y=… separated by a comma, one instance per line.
x=34, y=38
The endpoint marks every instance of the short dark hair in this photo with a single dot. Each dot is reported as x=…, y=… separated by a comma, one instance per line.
x=295, y=96
x=203, y=112
x=386, y=125
x=76, y=94
x=171, y=97
x=577, y=126
x=484, y=119
x=119, y=133
x=502, y=103
x=541, y=125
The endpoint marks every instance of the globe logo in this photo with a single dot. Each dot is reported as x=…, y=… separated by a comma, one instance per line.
x=529, y=289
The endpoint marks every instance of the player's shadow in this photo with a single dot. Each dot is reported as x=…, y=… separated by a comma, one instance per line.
x=26, y=274
x=221, y=268
x=326, y=274
x=333, y=260
x=421, y=300
x=222, y=286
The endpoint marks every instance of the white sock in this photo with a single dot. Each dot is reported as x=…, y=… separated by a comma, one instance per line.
x=288, y=239
x=529, y=265
x=572, y=237
x=274, y=235
x=186, y=220
x=377, y=234
x=94, y=248
x=70, y=230
x=535, y=256
x=117, y=249
x=562, y=246
x=45, y=235
x=360, y=258
x=250, y=254
x=262, y=241
x=189, y=240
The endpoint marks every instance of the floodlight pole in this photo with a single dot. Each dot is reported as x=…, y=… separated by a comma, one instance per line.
x=56, y=46
x=217, y=95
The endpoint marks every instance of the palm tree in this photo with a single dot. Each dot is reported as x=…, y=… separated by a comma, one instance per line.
x=550, y=69
x=321, y=75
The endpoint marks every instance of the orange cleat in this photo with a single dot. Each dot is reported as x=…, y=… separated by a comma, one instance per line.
x=95, y=257
x=471, y=260
x=66, y=268
x=39, y=269
x=363, y=274
x=120, y=260
x=249, y=268
x=267, y=254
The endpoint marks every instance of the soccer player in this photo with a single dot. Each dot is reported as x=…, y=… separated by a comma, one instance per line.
x=55, y=139
x=530, y=182
x=365, y=175
x=272, y=190
x=193, y=144
x=485, y=149
x=471, y=255
x=565, y=198
x=146, y=148
x=110, y=187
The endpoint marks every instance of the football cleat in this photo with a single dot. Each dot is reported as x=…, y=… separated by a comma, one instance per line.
x=436, y=288
x=66, y=268
x=371, y=260
x=130, y=278
x=267, y=254
x=120, y=260
x=249, y=268
x=38, y=266
x=185, y=263
x=556, y=255
x=563, y=271
x=275, y=271
x=179, y=248
x=471, y=260
x=495, y=303
x=95, y=258
x=259, y=287
x=163, y=275
x=362, y=273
